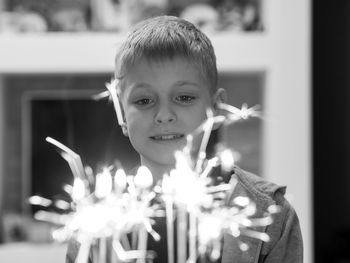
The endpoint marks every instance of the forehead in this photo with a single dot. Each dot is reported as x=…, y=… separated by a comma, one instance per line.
x=164, y=72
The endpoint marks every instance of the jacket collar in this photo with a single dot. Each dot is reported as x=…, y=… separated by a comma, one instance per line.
x=261, y=192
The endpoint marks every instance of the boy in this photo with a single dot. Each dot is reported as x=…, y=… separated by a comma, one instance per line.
x=167, y=79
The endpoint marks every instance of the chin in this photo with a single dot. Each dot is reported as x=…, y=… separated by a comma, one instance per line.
x=163, y=159
x=166, y=161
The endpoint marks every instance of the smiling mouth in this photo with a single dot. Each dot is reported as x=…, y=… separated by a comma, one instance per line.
x=167, y=137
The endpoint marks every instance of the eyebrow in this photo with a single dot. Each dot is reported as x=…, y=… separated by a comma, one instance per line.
x=140, y=85
x=179, y=83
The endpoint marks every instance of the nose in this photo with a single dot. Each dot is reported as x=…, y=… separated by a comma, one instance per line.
x=165, y=114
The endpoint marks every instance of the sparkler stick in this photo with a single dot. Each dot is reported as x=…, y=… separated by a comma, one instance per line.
x=193, y=238
x=101, y=95
x=181, y=233
x=210, y=165
x=102, y=255
x=75, y=157
x=188, y=147
x=72, y=164
x=95, y=253
x=242, y=113
x=112, y=88
x=142, y=244
x=206, y=135
x=83, y=253
x=169, y=209
x=125, y=242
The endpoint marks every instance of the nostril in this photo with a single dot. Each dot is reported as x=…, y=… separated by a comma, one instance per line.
x=165, y=119
x=165, y=115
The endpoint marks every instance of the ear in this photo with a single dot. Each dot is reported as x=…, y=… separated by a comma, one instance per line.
x=220, y=96
x=125, y=129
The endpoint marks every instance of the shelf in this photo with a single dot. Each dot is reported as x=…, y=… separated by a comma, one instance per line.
x=94, y=52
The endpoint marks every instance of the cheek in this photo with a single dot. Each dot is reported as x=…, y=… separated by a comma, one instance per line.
x=195, y=117
x=138, y=122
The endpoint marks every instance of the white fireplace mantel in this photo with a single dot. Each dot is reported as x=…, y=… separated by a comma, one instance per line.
x=94, y=52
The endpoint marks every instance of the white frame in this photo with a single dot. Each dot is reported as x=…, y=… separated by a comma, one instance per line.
x=283, y=51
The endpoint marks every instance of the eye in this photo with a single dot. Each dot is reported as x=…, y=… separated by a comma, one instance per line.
x=143, y=101
x=185, y=98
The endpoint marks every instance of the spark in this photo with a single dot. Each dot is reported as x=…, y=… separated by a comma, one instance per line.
x=112, y=204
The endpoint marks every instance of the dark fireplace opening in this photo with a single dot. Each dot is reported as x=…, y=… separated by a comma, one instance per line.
x=87, y=127
x=59, y=106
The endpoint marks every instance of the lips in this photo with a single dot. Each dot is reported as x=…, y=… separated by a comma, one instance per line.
x=167, y=137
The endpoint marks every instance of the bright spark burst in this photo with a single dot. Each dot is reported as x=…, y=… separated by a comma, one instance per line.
x=118, y=205
x=112, y=204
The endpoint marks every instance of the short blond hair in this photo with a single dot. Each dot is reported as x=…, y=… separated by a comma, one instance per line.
x=166, y=37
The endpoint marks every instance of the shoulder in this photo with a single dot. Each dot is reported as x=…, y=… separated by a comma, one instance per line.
x=284, y=232
x=257, y=186
x=262, y=192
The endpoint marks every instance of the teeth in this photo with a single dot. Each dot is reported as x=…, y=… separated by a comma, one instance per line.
x=167, y=137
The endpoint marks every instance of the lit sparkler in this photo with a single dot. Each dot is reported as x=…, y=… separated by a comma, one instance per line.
x=119, y=205
x=113, y=206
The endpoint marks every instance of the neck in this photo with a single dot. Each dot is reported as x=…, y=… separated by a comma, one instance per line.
x=157, y=170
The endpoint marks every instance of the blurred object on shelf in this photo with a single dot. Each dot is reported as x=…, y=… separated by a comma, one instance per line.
x=120, y=15
x=108, y=15
x=236, y=15
x=22, y=21
x=220, y=15
x=137, y=10
x=69, y=20
x=60, y=15
x=203, y=16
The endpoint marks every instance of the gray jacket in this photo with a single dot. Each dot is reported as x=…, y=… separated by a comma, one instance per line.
x=285, y=245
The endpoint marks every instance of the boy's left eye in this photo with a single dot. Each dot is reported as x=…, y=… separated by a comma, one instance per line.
x=143, y=101
x=185, y=98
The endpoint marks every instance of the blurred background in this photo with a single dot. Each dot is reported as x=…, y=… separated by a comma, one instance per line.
x=290, y=57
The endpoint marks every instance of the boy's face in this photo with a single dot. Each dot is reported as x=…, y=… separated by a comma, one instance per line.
x=163, y=102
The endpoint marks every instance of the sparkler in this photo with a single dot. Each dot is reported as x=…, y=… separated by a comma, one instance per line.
x=112, y=88
x=119, y=205
x=109, y=206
